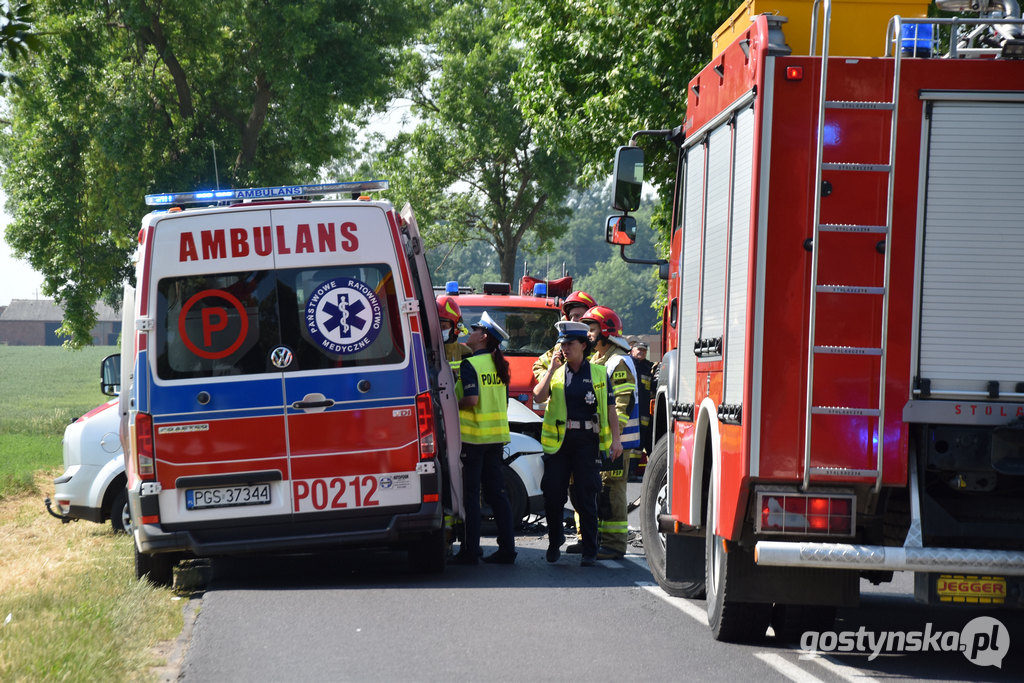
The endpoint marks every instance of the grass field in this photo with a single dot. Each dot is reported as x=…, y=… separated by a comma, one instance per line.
x=42, y=388
x=71, y=608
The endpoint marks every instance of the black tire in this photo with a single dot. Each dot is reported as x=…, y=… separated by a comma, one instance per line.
x=157, y=569
x=730, y=621
x=790, y=621
x=429, y=554
x=120, y=515
x=516, y=493
x=654, y=501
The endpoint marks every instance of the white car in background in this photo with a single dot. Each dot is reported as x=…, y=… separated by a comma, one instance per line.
x=524, y=458
x=92, y=486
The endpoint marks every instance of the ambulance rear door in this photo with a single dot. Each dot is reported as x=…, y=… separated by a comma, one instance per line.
x=220, y=435
x=351, y=369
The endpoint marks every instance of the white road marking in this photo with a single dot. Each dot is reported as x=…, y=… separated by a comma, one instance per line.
x=847, y=673
x=786, y=668
x=682, y=604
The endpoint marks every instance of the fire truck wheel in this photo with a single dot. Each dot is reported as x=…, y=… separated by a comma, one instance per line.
x=429, y=554
x=653, y=502
x=158, y=569
x=120, y=515
x=730, y=621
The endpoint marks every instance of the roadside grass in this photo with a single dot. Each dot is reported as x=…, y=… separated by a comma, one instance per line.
x=42, y=389
x=70, y=606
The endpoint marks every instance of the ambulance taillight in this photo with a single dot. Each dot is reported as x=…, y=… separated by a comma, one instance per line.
x=425, y=421
x=143, y=446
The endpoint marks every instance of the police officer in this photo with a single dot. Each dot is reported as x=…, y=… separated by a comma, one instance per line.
x=579, y=424
x=574, y=306
x=483, y=422
x=612, y=351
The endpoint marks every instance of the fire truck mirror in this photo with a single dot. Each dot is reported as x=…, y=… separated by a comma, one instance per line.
x=629, y=178
x=620, y=230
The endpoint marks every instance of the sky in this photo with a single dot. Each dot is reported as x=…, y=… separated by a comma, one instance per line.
x=19, y=281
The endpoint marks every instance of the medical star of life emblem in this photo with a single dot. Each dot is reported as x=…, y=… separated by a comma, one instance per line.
x=281, y=357
x=590, y=398
x=344, y=315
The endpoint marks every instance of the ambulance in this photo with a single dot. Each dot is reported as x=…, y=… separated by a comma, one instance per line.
x=286, y=387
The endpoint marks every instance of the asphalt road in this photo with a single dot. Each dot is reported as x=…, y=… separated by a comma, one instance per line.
x=364, y=616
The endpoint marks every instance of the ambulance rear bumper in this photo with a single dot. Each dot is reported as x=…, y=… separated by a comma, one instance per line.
x=889, y=558
x=383, y=530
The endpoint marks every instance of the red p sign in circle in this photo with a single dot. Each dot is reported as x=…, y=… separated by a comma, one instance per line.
x=214, y=319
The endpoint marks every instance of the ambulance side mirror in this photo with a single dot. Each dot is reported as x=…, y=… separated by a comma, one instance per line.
x=620, y=230
x=110, y=375
x=629, y=178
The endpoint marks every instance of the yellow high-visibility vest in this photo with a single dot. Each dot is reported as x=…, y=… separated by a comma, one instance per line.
x=487, y=421
x=552, y=431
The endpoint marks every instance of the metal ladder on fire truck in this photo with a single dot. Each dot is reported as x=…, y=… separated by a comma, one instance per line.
x=814, y=349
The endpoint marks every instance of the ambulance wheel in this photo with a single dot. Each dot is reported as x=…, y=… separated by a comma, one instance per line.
x=791, y=621
x=654, y=501
x=120, y=515
x=158, y=569
x=730, y=621
x=516, y=493
x=429, y=554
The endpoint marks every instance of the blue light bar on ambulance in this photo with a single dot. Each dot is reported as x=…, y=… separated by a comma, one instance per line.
x=205, y=196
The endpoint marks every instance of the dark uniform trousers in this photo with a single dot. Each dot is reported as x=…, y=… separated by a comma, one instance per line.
x=481, y=466
x=578, y=457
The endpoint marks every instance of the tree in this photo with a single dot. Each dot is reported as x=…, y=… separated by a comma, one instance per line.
x=595, y=71
x=137, y=96
x=472, y=164
x=17, y=38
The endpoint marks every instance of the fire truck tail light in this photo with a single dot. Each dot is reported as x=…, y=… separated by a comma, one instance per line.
x=425, y=421
x=793, y=513
x=144, y=456
x=794, y=73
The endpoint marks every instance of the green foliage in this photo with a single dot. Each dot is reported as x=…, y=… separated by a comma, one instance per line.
x=17, y=39
x=44, y=389
x=132, y=97
x=598, y=70
x=472, y=167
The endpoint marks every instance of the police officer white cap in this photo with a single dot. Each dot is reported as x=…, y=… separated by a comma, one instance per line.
x=487, y=324
x=567, y=329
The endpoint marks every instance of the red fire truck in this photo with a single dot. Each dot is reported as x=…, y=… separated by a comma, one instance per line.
x=843, y=392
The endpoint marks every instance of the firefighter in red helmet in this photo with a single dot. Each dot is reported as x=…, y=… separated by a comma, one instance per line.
x=450, y=313
x=612, y=351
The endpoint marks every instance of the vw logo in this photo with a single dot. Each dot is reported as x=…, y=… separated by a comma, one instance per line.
x=281, y=357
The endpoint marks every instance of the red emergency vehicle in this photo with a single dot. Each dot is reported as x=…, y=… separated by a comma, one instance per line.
x=843, y=390
x=529, y=317
x=285, y=386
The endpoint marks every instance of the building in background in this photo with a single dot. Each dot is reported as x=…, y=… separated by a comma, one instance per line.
x=34, y=322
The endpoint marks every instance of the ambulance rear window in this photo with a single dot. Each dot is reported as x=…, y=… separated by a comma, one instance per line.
x=277, y=321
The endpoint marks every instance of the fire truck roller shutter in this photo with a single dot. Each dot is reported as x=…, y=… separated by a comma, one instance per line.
x=970, y=321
